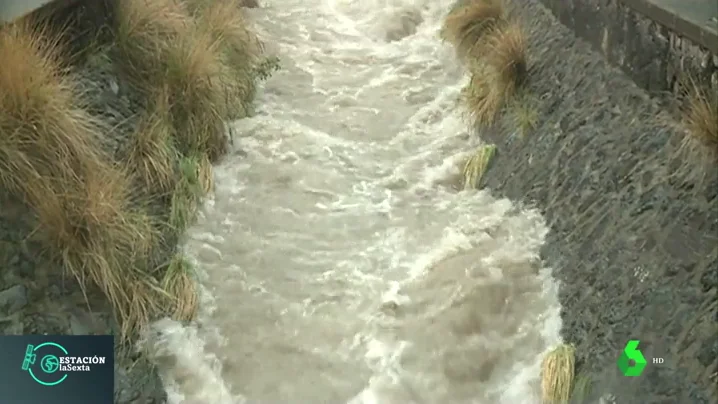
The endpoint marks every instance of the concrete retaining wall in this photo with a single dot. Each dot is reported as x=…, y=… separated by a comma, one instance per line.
x=653, y=41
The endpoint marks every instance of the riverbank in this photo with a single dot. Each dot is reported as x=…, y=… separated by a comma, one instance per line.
x=128, y=103
x=633, y=214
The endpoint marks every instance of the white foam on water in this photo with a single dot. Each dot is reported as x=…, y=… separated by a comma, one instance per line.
x=340, y=262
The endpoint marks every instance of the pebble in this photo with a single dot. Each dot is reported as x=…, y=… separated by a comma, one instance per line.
x=13, y=299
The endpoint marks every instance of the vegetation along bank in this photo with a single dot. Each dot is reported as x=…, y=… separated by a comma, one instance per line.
x=111, y=116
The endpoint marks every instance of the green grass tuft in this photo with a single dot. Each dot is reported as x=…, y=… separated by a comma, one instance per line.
x=523, y=114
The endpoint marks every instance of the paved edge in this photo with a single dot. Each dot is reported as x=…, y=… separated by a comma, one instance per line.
x=683, y=25
x=653, y=45
x=673, y=20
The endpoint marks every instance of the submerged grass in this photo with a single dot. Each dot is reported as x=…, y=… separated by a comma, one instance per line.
x=477, y=165
x=557, y=375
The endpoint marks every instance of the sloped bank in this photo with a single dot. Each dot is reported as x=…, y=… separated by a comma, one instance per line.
x=633, y=211
x=111, y=114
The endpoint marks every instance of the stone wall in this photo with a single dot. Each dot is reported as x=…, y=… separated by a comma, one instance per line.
x=633, y=236
x=653, y=46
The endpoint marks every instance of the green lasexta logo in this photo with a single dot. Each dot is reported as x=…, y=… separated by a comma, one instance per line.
x=632, y=353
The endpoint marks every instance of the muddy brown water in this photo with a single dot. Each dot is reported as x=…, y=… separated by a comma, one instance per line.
x=339, y=262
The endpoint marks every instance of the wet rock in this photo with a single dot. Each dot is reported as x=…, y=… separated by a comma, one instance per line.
x=13, y=299
x=12, y=325
x=136, y=382
x=402, y=24
x=81, y=323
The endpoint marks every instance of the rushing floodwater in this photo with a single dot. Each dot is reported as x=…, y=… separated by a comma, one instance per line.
x=341, y=263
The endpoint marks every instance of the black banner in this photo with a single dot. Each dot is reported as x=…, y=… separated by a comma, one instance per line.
x=57, y=369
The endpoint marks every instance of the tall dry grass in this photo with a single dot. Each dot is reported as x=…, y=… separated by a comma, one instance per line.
x=191, y=68
x=51, y=158
x=186, y=195
x=240, y=49
x=498, y=75
x=151, y=154
x=467, y=25
x=180, y=282
x=162, y=53
x=700, y=116
x=557, y=375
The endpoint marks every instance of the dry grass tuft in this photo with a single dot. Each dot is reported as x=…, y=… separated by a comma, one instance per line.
x=179, y=281
x=498, y=75
x=50, y=156
x=506, y=57
x=466, y=26
x=152, y=155
x=481, y=99
x=101, y=238
x=46, y=132
x=163, y=54
x=205, y=175
x=191, y=68
x=186, y=195
x=700, y=116
x=557, y=375
x=240, y=50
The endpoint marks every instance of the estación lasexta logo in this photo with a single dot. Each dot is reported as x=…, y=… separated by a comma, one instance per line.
x=47, y=371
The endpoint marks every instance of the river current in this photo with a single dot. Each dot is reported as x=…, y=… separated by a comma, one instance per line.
x=341, y=261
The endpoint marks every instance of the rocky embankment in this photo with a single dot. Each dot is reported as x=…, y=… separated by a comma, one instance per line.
x=111, y=114
x=633, y=218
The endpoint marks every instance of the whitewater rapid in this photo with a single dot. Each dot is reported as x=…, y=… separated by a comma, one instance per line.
x=341, y=261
